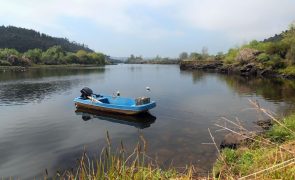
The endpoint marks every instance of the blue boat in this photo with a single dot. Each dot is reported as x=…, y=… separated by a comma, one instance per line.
x=113, y=104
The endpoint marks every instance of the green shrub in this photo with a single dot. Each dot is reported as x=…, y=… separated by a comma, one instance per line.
x=290, y=70
x=291, y=55
x=279, y=133
x=231, y=56
x=230, y=155
x=276, y=62
x=16, y=61
x=263, y=57
x=34, y=55
x=4, y=63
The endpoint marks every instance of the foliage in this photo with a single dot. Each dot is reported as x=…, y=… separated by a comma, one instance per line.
x=279, y=133
x=120, y=165
x=275, y=62
x=230, y=56
x=290, y=70
x=195, y=56
x=35, y=55
x=23, y=39
x=220, y=56
x=5, y=53
x=263, y=57
x=183, y=56
x=17, y=61
x=134, y=59
x=4, y=63
x=291, y=55
x=53, y=56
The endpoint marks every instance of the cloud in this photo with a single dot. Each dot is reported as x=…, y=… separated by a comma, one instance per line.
x=148, y=21
x=246, y=19
x=111, y=14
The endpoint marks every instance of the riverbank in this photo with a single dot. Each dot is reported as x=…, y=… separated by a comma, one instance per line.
x=247, y=69
x=21, y=68
x=270, y=155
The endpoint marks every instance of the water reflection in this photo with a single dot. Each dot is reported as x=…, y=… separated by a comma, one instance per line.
x=196, y=75
x=139, y=121
x=48, y=72
x=276, y=90
x=22, y=93
x=34, y=85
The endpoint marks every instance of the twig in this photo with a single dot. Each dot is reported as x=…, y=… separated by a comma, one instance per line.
x=271, y=116
x=284, y=164
x=214, y=141
x=266, y=141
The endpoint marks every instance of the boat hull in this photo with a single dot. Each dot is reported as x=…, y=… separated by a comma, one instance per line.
x=120, y=108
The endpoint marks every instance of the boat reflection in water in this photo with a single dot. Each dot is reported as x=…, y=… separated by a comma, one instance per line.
x=143, y=120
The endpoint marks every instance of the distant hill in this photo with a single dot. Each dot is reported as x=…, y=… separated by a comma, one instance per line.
x=23, y=39
x=275, y=38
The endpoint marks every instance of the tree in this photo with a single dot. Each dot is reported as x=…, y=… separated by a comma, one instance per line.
x=97, y=58
x=71, y=58
x=195, y=56
x=183, y=56
x=205, y=53
x=34, y=55
x=5, y=53
x=220, y=56
x=54, y=55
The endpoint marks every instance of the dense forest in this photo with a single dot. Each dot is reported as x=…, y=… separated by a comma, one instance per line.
x=275, y=54
x=23, y=39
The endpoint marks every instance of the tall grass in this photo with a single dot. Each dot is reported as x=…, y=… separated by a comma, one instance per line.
x=118, y=165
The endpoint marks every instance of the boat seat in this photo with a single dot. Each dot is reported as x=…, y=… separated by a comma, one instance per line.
x=104, y=100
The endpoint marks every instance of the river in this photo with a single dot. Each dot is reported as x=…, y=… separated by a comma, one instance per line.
x=41, y=130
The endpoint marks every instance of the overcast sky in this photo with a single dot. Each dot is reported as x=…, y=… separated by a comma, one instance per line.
x=152, y=27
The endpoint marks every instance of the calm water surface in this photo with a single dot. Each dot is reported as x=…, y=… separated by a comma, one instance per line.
x=41, y=130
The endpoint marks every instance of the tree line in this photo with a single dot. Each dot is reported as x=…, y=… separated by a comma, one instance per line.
x=23, y=39
x=54, y=55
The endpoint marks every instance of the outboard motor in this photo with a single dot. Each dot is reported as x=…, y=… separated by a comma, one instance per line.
x=85, y=92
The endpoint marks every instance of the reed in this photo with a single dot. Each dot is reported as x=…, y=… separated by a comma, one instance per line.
x=119, y=164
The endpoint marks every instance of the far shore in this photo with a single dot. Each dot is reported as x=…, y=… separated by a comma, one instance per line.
x=22, y=68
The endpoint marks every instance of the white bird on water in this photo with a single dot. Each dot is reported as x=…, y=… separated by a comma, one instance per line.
x=148, y=88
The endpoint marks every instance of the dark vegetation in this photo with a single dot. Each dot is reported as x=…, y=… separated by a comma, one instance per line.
x=22, y=40
x=23, y=47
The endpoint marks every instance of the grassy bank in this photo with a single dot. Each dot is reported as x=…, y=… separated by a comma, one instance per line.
x=269, y=156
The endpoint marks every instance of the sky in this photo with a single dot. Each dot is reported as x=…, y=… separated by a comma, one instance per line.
x=152, y=27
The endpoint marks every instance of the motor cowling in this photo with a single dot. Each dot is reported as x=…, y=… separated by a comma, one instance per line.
x=85, y=92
